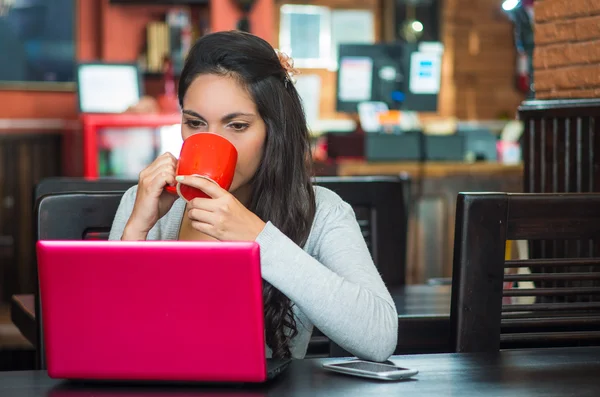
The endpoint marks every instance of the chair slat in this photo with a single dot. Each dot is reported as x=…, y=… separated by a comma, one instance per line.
x=536, y=263
x=548, y=322
x=551, y=306
x=551, y=291
x=552, y=276
x=550, y=336
x=545, y=315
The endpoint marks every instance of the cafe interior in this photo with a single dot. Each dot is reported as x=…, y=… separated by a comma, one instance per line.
x=468, y=158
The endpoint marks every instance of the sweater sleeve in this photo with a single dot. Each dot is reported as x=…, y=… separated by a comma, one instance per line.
x=123, y=213
x=339, y=290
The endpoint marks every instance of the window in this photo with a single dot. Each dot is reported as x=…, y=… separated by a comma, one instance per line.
x=305, y=35
x=311, y=34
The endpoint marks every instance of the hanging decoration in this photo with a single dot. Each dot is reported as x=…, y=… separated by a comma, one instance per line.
x=245, y=6
x=520, y=13
x=412, y=29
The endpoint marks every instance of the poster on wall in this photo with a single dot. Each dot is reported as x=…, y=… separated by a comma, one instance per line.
x=356, y=78
x=37, y=44
x=425, y=72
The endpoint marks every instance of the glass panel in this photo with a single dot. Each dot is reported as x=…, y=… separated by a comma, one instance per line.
x=305, y=30
x=125, y=152
x=305, y=35
x=37, y=41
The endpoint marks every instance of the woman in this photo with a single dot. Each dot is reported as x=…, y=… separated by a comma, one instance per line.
x=314, y=260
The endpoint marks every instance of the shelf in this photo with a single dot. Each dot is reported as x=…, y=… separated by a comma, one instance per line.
x=161, y=2
x=156, y=75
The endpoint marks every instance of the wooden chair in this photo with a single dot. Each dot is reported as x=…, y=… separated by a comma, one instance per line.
x=483, y=316
x=559, y=144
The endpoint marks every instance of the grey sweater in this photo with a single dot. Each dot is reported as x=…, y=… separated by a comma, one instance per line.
x=332, y=281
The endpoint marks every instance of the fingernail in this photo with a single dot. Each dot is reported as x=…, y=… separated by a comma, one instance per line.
x=179, y=178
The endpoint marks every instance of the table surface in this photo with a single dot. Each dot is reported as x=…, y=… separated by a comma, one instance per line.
x=422, y=300
x=541, y=372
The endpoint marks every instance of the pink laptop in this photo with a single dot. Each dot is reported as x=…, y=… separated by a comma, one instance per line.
x=164, y=311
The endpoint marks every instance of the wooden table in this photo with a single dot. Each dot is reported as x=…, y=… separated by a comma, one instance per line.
x=22, y=314
x=515, y=373
x=423, y=319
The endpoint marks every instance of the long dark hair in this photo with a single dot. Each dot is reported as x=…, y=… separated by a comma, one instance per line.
x=282, y=192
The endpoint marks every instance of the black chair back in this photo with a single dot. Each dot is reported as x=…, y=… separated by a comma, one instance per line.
x=71, y=216
x=559, y=145
x=381, y=207
x=66, y=185
x=485, y=314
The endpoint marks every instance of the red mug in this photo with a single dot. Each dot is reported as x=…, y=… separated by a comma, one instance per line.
x=207, y=155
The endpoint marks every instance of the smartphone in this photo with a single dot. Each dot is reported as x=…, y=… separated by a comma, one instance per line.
x=368, y=369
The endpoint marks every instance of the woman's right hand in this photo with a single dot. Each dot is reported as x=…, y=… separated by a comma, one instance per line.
x=152, y=201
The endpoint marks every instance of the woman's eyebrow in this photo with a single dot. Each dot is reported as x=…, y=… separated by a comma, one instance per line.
x=193, y=114
x=235, y=115
x=224, y=119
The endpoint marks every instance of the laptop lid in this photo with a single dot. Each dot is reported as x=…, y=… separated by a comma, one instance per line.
x=152, y=310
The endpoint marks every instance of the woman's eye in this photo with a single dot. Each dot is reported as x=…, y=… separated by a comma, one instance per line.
x=194, y=123
x=238, y=126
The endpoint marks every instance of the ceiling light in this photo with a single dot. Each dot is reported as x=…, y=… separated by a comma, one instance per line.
x=417, y=26
x=510, y=5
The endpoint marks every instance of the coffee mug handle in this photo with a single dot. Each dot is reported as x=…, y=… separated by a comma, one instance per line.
x=179, y=183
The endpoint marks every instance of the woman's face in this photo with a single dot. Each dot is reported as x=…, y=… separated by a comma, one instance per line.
x=219, y=104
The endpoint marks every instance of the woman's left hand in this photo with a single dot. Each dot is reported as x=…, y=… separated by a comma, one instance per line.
x=222, y=216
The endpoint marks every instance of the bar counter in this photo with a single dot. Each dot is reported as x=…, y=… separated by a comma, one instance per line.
x=432, y=204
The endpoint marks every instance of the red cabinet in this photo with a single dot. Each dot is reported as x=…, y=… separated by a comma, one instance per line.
x=121, y=145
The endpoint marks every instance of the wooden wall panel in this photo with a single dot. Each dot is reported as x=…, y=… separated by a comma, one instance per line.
x=25, y=159
x=480, y=61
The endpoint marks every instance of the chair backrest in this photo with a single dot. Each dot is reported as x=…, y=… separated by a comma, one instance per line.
x=71, y=216
x=381, y=207
x=488, y=312
x=559, y=156
x=66, y=185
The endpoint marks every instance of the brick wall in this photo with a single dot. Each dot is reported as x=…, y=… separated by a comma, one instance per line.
x=479, y=62
x=567, y=54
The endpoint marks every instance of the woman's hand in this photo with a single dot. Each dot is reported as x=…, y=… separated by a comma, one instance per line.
x=152, y=202
x=222, y=217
